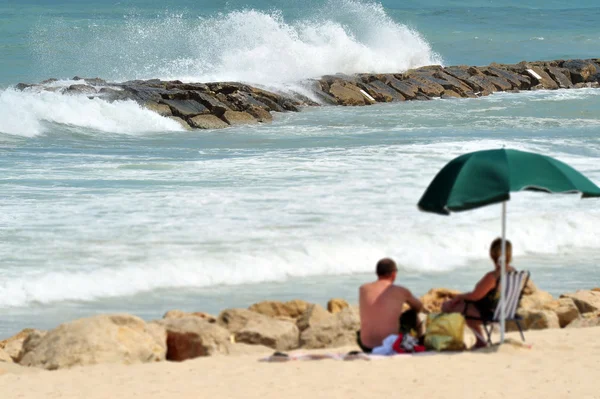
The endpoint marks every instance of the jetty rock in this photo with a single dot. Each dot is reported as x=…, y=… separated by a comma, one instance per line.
x=218, y=105
x=120, y=338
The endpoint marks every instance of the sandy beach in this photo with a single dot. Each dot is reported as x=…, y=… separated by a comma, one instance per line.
x=560, y=363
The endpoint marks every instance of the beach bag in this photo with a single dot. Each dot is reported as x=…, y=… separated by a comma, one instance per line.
x=445, y=332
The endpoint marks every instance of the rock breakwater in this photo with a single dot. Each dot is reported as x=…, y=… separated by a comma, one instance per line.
x=265, y=326
x=222, y=104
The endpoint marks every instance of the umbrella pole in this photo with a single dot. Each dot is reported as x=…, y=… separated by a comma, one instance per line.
x=503, y=275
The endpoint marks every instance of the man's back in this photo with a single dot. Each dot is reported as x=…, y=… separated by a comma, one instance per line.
x=381, y=304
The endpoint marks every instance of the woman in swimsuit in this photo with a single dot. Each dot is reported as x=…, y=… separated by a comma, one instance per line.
x=482, y=301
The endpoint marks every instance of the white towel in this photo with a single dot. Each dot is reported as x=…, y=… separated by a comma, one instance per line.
x=386, y=347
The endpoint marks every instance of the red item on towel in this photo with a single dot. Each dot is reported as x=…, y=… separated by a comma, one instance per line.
x=397, y=346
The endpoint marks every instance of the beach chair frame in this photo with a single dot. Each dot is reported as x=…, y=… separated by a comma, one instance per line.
x=513, y=292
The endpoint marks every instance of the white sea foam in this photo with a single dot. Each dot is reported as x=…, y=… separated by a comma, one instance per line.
x=271, y=216
x=452, y=244
x=28, y=113
x=342, y=36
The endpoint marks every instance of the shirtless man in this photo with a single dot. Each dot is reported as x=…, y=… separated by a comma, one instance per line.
x=381, y=305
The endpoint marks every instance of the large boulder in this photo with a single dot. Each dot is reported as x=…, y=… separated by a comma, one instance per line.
x=235, y=118
x=535, y=320
x=517, y=80
x=215, y=106
x=121, y=338
x=546, y=81
x=277, y=334
x=161, y=109
x=236, y=319
x=450, y=94
x=13, y=345
x=535, y=300
x=191, y=337
x=336, y=305
x=586, y=301
x=207, y=122
x=261, y=114
x=435, y=297
x=312, y=316
x=586, y=320
x=347, y=94
x=186, y=108
x=482, y=81
x=560, y=76
x=290, y=309
x=5, y=357
x=565, y=309
x=180, y=314
x=380, y=91
x=406, y=89
x=80, y=89
x=454, y=84
x=580, y=70
x=338, y=330
x=426, y=83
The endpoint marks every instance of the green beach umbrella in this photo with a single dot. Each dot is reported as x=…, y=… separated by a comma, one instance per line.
x=487, y=177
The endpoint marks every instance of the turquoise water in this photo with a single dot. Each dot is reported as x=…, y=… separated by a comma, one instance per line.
x=108, y=207
x=145, y=39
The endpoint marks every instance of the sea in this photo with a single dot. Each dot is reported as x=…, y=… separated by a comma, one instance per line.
x=110, y=208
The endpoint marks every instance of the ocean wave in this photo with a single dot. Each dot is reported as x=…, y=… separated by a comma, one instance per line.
x=341, y=36
x=361, y=207
x=31, y=112
x=417, y=249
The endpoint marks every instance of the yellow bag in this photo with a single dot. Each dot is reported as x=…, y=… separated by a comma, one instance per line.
x=445, y=332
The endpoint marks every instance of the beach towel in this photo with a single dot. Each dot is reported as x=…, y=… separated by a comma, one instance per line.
x=284, y=357
x=279, y=357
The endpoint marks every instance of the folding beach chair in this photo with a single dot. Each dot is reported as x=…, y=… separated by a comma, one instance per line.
x=515, y=285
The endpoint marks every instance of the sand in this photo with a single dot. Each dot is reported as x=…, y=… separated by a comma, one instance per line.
x=560, y=364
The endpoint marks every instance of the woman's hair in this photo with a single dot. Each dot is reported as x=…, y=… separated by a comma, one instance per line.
x=496, y=251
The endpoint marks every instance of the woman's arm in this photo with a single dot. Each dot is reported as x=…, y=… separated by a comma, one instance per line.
x=485, y=285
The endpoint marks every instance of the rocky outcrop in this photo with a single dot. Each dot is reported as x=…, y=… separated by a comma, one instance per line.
x=534, y=319
x=236, y=319
x=290, y=310
x=5, y=357
x=565, y=310
x=586, y=320
x=313, y=315
x=222, y=104
x=123, y=339
x=271, y=325
x=435, y=297
x=338, y=330
x=273, y=333
x=179, y=314
x=13, y=345
x=586, y=301
x=336, y=305
x=192, y=336
x=251, y=327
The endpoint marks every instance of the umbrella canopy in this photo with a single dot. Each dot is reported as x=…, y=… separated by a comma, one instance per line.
x=487, y=177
